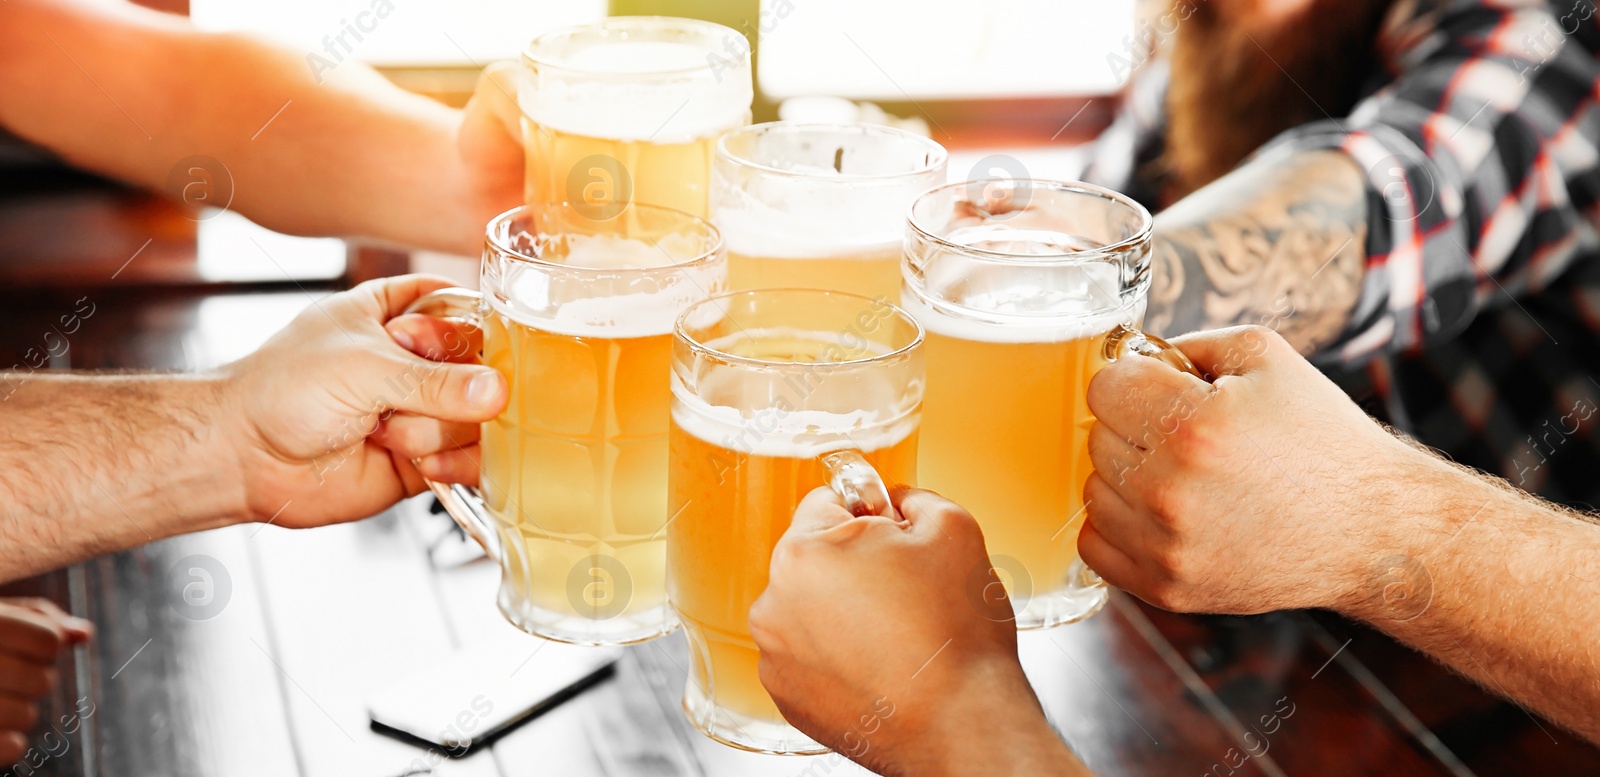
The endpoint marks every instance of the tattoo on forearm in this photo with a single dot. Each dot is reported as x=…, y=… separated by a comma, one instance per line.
x=1279, y=245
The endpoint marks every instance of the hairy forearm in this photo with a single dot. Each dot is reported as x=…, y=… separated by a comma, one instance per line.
x=90, y=465
x=1497, y=585
x=1279, y=243
x=131, y=93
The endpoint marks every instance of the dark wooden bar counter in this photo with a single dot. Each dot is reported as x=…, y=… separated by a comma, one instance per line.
x=316, y=622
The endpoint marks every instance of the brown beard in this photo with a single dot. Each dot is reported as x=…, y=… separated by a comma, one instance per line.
x=1229, y=92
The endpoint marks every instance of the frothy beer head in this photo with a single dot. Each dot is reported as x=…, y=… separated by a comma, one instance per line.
x=1026, y=261
x=797, y=373
x=802, y=415
x=626, y=278
x=638, y=78
x=808, y=191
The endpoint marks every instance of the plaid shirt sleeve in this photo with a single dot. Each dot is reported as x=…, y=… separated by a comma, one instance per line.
x=1481, y=166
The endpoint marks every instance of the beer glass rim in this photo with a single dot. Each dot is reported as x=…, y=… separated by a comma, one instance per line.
x=1145, y=221
x=680, y=330
x=937, y=158
x=622, y=25
x=499, y=225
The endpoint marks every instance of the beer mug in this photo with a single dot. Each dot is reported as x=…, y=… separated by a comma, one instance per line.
x=628, y=109
x=572, y=503
x=1026, y=289
x=774, y=393
x=819, y=206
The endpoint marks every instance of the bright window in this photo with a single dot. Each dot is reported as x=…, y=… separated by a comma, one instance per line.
x=399, y=32
x=931, y=49
x=862, y=49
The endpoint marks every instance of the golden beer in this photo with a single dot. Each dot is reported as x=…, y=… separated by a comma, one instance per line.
x=578, y=316
x=732, y=507
x=1019, y=284
x=1006, y=435
x=576, y=467
x=629, y=110
x=871, y=272
x=599, y=171
x=819, y=206
x=763, y=387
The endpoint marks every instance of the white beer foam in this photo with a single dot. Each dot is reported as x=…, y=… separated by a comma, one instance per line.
x=1021, y=320
x=619, y=317
x=776, y=427
x=799, y=434
x=762, y=232
x=643, y=56
x=701, y=103
x=629, y=315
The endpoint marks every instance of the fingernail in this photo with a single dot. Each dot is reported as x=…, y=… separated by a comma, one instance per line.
x=484, y=389
x=404, y=338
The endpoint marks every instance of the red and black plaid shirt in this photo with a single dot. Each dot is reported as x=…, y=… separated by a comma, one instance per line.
x=1478, y=325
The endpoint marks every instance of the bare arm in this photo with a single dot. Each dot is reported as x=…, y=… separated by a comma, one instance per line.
x=329, y=421
x=130, y=93
x=94, y=464
x=1497, y=585
x=1339, y=514
x=1278, y=242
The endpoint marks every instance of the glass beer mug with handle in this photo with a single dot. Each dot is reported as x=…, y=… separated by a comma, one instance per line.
x=628, y=109
x=774, y=393
x=1026, y=289
x=572, y=503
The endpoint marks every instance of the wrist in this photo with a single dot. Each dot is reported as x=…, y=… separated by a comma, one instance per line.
x=1422, y=504
x=230, y=434
x=992, y=723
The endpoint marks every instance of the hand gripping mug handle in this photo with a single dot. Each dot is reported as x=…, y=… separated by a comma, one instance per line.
x=464, y=503
x=1124, y=340
x=854, y=479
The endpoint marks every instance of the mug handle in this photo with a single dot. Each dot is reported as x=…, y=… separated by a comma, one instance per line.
x=855, y=480
x=464, y=503
x=1124, y=340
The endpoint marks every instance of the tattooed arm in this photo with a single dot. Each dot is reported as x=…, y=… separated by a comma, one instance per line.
x=1279, y=242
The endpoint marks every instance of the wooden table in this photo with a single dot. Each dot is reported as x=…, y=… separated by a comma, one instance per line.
x=317, y=622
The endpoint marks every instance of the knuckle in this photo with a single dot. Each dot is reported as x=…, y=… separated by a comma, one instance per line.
x=1104, y=389
x=1188, y=439
x=413, y=439
x=1164, y=497
x=766, y=629
x=1179, y=565
x=1259, y=340
x=760, y=614
x=1166, y=558
x=1100, y=444
x=436, y=382
x=792, y=557
x=956, y=519
x=1151, y=436
x=1169, y=596
x=1096, y=491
